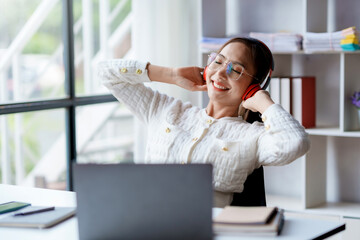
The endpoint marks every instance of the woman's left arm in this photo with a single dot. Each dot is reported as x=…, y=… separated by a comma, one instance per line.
x=283, y=139
x=259, y=102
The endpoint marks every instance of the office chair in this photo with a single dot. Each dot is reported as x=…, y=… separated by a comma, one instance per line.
x=254, y=186
x=254, y=190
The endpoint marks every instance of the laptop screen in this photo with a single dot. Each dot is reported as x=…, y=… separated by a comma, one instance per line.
x=137, y=201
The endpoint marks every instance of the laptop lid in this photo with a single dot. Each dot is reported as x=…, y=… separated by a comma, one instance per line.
x=144, y=201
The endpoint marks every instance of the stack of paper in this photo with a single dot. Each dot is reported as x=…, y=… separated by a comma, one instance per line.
x=331, y=41
x=350, y=42
x=280, y=42
x=209, y=44
x=249, y=221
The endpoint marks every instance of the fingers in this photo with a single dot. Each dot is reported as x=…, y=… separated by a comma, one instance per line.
x=198, y=69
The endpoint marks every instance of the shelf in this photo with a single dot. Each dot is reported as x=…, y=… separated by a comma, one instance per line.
x=206, y=51
x=335, y=132
x=317, y=52
x=344, y=209
x=288, y=203
x=337, y=76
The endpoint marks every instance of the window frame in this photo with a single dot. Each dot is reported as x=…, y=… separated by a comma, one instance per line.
x=68, y=103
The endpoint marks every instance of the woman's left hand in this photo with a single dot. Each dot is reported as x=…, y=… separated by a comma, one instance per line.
x=259, y=102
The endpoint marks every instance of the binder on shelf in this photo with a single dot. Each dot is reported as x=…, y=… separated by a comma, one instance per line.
x=304, y=100
x=280, y=92
x=275, y=90
x=285, y=93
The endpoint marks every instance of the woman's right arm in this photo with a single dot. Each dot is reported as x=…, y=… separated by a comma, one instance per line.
x=189, y=78
x=125, y=79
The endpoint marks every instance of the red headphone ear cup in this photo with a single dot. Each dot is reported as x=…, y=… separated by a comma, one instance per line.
x=204, y=74
x=251, y=90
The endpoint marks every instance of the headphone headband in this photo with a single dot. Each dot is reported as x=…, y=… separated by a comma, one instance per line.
x=267, y=79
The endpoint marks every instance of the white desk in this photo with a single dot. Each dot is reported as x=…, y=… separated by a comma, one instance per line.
x=294, y=227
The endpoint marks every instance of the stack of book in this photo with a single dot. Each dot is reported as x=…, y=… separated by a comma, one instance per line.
x=249, y=221
x=350, y=42
x=280, y=42
x=331, y=41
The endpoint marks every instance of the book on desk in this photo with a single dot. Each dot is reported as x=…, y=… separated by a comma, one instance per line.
x=249, y=221
x=41, y=219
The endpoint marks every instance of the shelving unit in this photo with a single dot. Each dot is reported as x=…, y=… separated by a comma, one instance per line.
x=342, y=209
x=330, y=163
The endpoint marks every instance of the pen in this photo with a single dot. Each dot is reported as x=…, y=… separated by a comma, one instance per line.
x=34, y=211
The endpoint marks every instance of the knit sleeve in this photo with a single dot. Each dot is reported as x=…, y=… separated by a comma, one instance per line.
x=283, y=139
x=125, y=79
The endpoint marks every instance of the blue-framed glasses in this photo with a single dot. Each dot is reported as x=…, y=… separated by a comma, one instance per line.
x=233, y=70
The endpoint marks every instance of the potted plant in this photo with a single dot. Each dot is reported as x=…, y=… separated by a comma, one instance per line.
x=355, y=99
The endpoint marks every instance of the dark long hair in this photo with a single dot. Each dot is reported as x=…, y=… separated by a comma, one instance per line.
x=262, y=60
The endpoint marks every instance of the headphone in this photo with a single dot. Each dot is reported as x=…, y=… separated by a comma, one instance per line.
x=253, y=88
x=264, y=47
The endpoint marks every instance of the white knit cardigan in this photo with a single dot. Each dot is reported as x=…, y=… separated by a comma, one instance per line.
x=179, y=132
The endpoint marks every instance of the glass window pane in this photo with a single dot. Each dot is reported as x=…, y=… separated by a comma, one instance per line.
x=104, y=134
x=101, y=31
x=31, y=50
x=32, y=149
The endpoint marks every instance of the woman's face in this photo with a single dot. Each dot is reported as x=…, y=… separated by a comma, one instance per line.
x=222, y=89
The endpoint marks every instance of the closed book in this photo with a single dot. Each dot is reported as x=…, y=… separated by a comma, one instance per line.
x=37, y=220
x=350, y=47
x=349, y=41
x=351, y=36
x=349, y=30
x=245, y=215
x=271, y=228
x=304, y=100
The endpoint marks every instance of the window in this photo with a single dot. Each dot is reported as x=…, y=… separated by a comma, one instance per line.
x=105, y=134
x=53, y=108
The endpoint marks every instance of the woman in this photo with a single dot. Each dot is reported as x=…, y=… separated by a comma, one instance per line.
x=179, y=132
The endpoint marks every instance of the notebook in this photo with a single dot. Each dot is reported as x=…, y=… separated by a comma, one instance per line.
x=269, y=227
x=144, y=201
x=245, y=215
x=39, y=220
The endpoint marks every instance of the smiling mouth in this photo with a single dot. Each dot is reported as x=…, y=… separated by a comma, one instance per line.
x=219, y=87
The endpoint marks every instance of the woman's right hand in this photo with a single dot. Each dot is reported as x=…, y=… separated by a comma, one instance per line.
x=189, y=78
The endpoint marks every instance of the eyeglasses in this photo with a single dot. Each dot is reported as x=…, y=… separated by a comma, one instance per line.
x=233, y=70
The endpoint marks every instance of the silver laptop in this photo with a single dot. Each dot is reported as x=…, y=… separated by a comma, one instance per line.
x=144, y=201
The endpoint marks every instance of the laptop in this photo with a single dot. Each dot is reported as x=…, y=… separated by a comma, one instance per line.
x=144, y=201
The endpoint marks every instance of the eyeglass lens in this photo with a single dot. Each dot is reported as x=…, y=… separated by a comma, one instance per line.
x=233, y=70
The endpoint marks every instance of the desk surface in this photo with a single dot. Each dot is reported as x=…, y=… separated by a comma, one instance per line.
x=294, y=227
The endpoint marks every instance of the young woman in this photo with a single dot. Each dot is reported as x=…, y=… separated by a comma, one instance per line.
x=179, y=132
